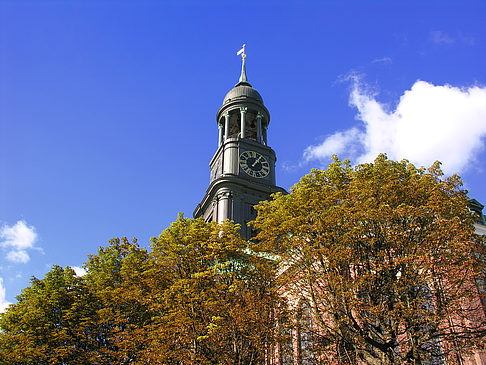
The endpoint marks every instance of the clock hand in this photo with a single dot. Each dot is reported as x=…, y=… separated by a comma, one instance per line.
x=256, y=161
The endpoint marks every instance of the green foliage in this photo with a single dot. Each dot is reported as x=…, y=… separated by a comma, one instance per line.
x=46, y=325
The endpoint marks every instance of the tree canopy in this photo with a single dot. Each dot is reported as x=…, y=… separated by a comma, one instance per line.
x=385, y=256
x=199, y=296
x=368, y=264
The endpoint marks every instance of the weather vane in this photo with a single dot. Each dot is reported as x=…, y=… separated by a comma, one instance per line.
x=242, y=52
x=243, y=78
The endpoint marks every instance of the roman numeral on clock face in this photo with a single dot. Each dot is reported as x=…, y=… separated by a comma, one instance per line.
x=254, y=164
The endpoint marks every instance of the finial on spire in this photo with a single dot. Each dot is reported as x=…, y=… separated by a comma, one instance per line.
x=242, y=52
x=243, y=78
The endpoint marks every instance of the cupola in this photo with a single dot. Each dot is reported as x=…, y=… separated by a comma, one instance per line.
x=243, y=114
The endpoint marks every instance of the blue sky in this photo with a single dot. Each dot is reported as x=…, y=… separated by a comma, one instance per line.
x=107, y=108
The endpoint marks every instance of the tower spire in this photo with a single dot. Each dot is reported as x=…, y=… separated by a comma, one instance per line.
x=243, y=166
x=243, y=79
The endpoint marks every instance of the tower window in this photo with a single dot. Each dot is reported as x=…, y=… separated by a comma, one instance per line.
x=235, y=121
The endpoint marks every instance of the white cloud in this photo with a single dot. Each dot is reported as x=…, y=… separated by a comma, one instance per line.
x=18, y=256
x=382, y=60
x=18, y=239
x=429, y=123
x=79, y=271
x=3, y=303
x=338, y=143
x=439, y=37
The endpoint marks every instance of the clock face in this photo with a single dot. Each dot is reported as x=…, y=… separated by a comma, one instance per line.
x=254, y=164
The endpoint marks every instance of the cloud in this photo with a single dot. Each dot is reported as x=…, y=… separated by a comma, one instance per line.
x=338, y=143
x=382, y=60
x=3, y=303
x=441, y=38
x=429, y=123
x=18, y=239
x=79, y=271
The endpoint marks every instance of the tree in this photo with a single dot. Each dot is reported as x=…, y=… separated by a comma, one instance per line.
x=385, y=256
x=200, y=296
x=46, y=325
x=218, y=299
x=116, y=278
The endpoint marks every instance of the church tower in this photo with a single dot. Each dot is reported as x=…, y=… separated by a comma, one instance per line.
x=243, y=167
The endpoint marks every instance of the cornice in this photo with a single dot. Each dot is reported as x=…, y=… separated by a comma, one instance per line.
x=480, y=229
x=227, y=182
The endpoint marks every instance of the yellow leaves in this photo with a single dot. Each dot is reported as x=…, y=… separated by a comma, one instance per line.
x=212, y=281
x=201, y=275
x=367, y=240
x=215, y=326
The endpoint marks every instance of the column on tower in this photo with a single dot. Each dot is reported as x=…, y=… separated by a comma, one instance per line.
x=224, y=206
x=220, y=136
x=230, y=158
x=226, y=126
x=259, y=127
x=243, y=111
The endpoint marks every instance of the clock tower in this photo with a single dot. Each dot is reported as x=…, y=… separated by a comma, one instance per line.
x=243, y=167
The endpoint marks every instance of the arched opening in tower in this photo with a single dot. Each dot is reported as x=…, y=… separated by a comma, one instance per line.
x=251, y=130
